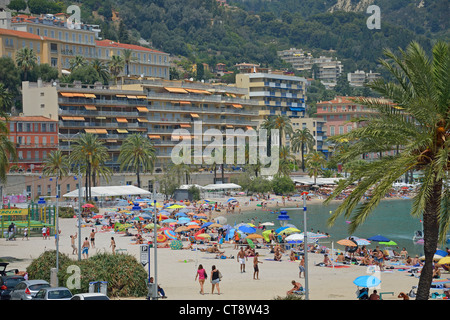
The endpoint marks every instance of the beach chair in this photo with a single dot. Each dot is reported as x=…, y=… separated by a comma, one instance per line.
x=300, y=292
x=362, y=294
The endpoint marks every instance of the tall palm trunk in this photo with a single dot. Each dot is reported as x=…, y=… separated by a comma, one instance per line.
x=303, y=157
x=138, y=177
x=431, y=237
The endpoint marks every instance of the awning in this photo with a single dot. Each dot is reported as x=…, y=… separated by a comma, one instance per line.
x=142, y=109
x=141, y=97
x=198, y=91
x=78, y=95
x=101, y=131
x=194, y=115
x=109, y=191
x=297, y=109
x=180, y=137
x=122, y=120
x=131, y=97
x=236, y=105
x=121, y=96
x=90, y=107
x=249, y=128
x=90, y=95
x=185, y=102
x=185, y=125
x=229, y=126
x=175, y=90
x=122, y=131
x=67, y=94
x=90, y=130
x=154, y=136
x=73, y=118
x=142, y=119
x=100, y=118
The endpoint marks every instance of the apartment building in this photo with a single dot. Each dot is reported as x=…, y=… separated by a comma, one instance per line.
x=317, y=128
x=327, y=69
x=359, y=77
x=338, y=113
x=34, y=137
x=56, y=41
x=154, y=108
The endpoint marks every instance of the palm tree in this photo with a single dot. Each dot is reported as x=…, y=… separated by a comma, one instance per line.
x=418, y=120
x=116, y=66
x=7, y=148
x=6, y=98
x=77, y=62
x=315, y=161
x=26, y=61
x=181, y=170
x=285, y=161
x=56, y=165
x=87, y=150
x=284, y=126
x=102, y=70
x=137, y=152
x=302, y=140
x=127, y=58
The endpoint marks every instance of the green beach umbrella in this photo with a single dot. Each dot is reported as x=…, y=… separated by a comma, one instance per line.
x=389, y=243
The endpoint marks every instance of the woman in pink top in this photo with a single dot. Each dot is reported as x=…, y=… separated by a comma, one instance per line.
x=201, y=275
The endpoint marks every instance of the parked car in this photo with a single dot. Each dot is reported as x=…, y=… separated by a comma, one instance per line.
x=90, y=296
x=57, y=293
x=26, y=290
x=7, y=283
x=4, y=272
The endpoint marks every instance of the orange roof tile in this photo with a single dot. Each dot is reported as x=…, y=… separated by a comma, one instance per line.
x=113, y=44
x=22, y=34
x=30, y=119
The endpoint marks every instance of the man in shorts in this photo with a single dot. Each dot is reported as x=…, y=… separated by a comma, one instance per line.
x=256, y=267
x=241, y=257
x=85, y=248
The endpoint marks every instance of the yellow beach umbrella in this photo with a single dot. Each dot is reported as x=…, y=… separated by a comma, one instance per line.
x=445, y=260
x=289, y=231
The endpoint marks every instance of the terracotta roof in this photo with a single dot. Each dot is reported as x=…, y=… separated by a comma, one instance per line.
x=21, y=34
x=113, y=44
x=30, y=119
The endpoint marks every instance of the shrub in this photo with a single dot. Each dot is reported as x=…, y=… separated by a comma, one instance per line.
x=125, y=276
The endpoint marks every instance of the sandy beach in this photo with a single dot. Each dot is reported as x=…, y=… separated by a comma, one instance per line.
x=176, y=269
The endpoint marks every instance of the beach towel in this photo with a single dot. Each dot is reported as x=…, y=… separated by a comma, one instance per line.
x=439, y=283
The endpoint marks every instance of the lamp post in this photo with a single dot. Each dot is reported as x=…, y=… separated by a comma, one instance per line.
x=79, y=213
x=305, y=243
x=155, y=245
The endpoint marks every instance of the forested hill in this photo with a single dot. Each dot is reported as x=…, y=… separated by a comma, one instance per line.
x=253, y=30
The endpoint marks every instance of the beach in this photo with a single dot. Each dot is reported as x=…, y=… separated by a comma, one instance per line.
x=176, y=269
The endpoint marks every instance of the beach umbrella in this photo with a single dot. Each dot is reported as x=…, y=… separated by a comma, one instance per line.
x=176, y=245
x=203, y=236
x=221, y=220
x=250, y=242
x=194, y=226
x=207, y=224
x=347, y=242
x=161, y=238
x=231, y=199
x=254, y=236
x=441, y=253
x=181, y=229
x=445, y=260
x=379, y=238
x=170, y=234
x=295, y=237
x=97, y=216
x=88, y=205
x=175, y=206
x=367, y=281
x=192, y=223
x=389, y=243
x=151, y=226
x=184, y=220
x=169, y=221
x=280, y=229
x=267, y=224
x=180, y=214
x=289, y=231
x=362, y=242
x=247, y=229
x=436, y=257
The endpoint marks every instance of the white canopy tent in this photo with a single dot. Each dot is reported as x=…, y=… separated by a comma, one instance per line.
x=319, y=181
x=221, y=186
x=109, y=191
x=187, y=186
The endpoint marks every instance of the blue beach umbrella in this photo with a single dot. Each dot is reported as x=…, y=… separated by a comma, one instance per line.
x=441, y=253
x=180, y=214
x=281, y=229
x=207, y=224
x=378, y=238
x=367, y=281
x=247, y=229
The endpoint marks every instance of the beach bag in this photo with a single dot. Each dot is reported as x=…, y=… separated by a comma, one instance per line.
x=206, y=274
x=220, y=275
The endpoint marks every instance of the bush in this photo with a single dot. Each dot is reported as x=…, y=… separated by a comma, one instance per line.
x=126, y=277
x=282, y=185
x=66, y=212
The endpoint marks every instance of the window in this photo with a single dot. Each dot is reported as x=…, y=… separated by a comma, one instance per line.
x=331, y=130
x=52, y=34
x=44, y=141
x=341, y=129
x=54, y=47
x=54, y=62
x=36, y=155
x=49, y=189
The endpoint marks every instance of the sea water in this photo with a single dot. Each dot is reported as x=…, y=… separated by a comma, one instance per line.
x=391, y=219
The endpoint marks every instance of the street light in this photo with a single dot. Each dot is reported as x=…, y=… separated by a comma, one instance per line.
x=305, y=244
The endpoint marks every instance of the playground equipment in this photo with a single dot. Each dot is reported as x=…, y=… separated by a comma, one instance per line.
x=34, y=217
